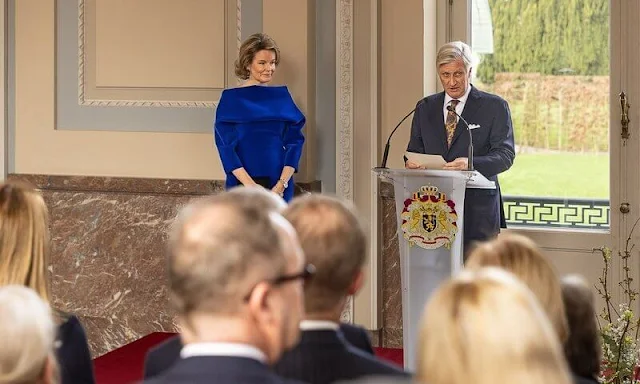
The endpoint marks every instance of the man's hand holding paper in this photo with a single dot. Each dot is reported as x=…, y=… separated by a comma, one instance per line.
x=423, y=161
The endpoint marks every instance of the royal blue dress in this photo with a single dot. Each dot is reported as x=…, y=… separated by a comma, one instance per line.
x=259, y=128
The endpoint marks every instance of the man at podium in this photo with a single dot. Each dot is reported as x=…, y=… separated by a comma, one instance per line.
x=437, y=130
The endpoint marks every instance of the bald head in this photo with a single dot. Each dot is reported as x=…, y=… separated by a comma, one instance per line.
x=219, y=247
x=266, y=198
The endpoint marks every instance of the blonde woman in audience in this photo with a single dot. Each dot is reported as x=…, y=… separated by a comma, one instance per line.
x=520, y=256
x=27, y=332
x=485, y=327
x=24, y=259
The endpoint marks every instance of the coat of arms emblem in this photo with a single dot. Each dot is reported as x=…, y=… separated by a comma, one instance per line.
x=429, y=219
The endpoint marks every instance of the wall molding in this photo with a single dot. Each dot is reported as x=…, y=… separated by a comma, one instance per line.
x=344, y=99
x=374, y=223
x=84, y=100
x=344, y=112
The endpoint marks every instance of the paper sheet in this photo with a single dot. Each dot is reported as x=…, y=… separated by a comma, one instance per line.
x=426, y=161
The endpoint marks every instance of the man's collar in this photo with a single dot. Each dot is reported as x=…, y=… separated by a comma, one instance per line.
x=462, y=100
x=223, y=349
x=317, y=325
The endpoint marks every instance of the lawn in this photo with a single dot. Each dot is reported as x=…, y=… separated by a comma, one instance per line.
x=562, y=174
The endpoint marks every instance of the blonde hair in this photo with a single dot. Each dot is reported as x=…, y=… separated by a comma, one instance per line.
x=252, y=45
x=24, y=238
x=485, y=327
x=520, y=256
x=28, y=333
x=334, y=241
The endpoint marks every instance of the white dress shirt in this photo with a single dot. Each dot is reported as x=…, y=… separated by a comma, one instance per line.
x=223, y=349
x=318, y=325
x=461, y=102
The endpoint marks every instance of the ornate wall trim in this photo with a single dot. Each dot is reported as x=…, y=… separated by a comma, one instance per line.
x=82, y=63
x=344, y=111
x=344, y=99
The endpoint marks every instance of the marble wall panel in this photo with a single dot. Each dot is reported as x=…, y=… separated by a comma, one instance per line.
x=108, y=250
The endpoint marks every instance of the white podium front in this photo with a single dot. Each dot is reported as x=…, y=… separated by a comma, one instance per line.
x=430, y=215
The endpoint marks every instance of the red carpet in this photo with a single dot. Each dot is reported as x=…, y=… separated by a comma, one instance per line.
x=125, y=364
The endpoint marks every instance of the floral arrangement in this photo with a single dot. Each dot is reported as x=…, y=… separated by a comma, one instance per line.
x=619, y=326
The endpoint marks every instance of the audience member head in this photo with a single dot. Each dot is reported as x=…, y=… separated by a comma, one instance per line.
x=258, y=195
x=236, y=274
x=334, y=241
x=520, y=256
x=582, y=348
x=486, y=327
x=24, y=238
x=258, y=58
x=28, y=333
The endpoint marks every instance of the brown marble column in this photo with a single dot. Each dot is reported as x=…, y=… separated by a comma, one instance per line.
x=391, y=333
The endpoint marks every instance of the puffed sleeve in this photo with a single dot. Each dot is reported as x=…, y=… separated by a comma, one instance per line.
x=293, y=142
x=226, y=138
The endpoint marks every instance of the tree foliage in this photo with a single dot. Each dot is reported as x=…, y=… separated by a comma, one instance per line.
x=548, y=37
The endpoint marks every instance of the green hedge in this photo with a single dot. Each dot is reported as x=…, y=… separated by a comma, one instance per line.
x=548, y=37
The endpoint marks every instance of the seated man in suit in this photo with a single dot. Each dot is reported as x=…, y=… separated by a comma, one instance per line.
x=163, y=356
x=236, y=274
x=436, y=131
x=332, y=237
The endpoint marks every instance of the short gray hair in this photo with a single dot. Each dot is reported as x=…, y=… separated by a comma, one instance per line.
x=456, y=50
x=27, y=332
x=257, y=194
x=219, y=247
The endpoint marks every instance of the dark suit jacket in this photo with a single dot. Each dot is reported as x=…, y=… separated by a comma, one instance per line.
x=324, y=357
x=494, y=152
x=74, y=358
x=219, y=370
x=583, y=380
x=161, y=357
x=357, y=336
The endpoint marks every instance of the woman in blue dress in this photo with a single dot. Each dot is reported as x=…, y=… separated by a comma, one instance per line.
x=258, y=128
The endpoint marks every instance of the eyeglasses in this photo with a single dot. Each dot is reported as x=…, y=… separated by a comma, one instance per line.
x=306, y=274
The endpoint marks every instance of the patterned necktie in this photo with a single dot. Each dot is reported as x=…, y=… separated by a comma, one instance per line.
x=451, y=122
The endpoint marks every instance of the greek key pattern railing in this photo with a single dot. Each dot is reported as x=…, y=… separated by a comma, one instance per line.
x=529, y=211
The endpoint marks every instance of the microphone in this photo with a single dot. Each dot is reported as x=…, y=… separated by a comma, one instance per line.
x=450, y=108
x=385, y=156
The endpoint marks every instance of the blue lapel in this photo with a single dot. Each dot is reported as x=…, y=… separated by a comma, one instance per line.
x=470, y=109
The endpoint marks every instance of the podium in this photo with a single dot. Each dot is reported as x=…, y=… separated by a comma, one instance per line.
x=430, y=215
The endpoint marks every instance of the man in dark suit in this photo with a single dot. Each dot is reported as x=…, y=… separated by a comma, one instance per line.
x=236, y=274
x=164, y=355
x=437, y=131
x=333, y=240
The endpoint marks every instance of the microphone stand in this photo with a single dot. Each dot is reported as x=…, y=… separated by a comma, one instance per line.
x=385, y=156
